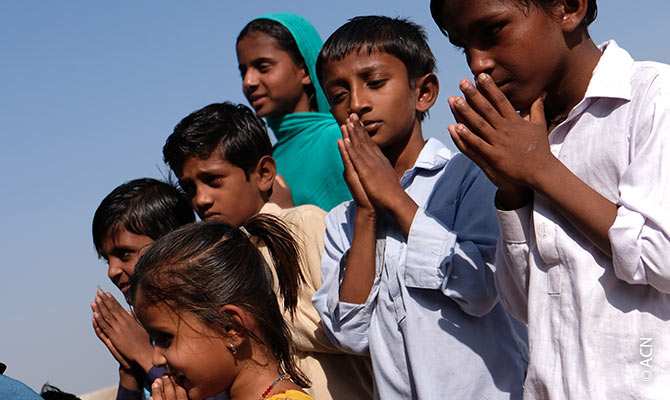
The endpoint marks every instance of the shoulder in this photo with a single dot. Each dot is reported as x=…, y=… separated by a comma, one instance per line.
x=303, y=213
x=650, y=78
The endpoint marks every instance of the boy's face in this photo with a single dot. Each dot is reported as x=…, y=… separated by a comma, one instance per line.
x=218, y=189
x=520, y=48
x=121, y=253
x=374, y=86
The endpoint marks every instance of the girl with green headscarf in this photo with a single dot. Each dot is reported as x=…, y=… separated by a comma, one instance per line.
x=277, y=58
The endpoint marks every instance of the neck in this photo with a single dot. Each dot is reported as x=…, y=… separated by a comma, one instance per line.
x=576, y=75
x=256, y=373
x=403, y=154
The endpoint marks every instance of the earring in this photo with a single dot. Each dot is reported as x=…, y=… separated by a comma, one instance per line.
x=232, y=349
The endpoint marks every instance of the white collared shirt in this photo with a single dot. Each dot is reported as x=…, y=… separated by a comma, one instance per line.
x=599, y=328
x=432, y=324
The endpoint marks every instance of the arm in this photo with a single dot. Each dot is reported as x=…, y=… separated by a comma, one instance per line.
x=512, y=257
x=345, y=323
x=121, y=332
x=515, y=153
x=640, y=235
x=451, y=245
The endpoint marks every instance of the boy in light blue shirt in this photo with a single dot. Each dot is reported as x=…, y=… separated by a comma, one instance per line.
x=407, y=274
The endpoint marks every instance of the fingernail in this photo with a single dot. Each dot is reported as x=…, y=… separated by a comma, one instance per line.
x=460, y=101
x=460, y=128
x=466, y=85
x=484, y=77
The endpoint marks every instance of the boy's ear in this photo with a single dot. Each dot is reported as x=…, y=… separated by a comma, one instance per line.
x=427, y=88
x=266, y=168
x=572, y=13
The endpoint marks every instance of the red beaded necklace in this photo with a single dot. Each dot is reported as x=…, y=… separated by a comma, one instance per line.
x=281, y=378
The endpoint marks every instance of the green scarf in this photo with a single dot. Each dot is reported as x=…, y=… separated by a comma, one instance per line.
x=306, y=150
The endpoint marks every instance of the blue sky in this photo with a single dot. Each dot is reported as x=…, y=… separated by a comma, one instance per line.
x=88, y=93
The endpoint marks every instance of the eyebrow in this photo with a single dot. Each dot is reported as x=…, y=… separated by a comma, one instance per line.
x=476, y=26
x=366, y=72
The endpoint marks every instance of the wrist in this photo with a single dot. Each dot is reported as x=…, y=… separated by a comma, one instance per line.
x=509, y=199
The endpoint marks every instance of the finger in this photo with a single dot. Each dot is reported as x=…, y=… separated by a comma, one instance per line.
x=474, y=122
x=112, y=304
x=537, y=116
x=479, y=103
x=495, y=96
x=157, y=389
x=168, y=388
x=469, y=144
x=350, y=175
x=110, y=346
x=180, y=392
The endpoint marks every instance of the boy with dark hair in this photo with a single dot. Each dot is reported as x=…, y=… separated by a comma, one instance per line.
x=406, y=269
x=576, y=137
x=126, y=223
x=221, y=155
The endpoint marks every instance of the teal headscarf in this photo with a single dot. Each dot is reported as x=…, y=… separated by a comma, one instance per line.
x=309, y=43
x=306, y=149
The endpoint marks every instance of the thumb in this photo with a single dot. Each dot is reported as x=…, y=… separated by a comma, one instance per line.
x=537, y=111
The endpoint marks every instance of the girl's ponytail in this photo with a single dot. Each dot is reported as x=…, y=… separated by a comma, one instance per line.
x=285, y=255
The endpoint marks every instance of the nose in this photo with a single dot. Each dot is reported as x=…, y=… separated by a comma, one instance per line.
x=480, y=61
x=358, y=102
x=158, y=357
x=202, y=199
x=114, y=269
x=250, y=80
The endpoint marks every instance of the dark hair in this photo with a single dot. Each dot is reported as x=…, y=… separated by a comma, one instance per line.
x=203, y=266
x=591, y=12
x=50, y=392
x=233, y=129
x=286, y=42
x=143, y=206
x=399, y=37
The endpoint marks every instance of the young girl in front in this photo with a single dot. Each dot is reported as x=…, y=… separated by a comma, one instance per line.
x=277, y=58
x=205, y=295
x=574, y=135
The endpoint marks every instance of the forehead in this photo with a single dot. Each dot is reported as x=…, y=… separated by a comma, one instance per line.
x=214, y=163
x=120, y=237
x=456, y=15
x=257, y=44
x=361, y=62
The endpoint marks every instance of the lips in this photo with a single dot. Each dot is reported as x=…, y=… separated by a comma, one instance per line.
x=209, y=216
x=371, y=126
x=256, y=100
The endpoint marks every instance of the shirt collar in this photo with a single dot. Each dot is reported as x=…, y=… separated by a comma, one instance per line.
x=433, y=155
x=611, y=77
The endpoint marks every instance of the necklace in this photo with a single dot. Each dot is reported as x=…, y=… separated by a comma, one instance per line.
x=281, y=378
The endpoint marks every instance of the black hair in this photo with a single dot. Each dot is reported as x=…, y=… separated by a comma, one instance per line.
x=286, y=42
x=50, y=392
x=203, y=266
x=398, y=37
x=591, y=11
x=143, y=206
x=232, y=129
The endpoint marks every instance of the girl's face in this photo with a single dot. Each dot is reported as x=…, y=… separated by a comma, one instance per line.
x=272, y=83
x=196, y=355
x=522, y=48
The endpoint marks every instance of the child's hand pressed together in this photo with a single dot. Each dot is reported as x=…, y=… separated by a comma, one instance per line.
x=120, y=331
x=166, y=388
x=373, y=182
x=512, y=150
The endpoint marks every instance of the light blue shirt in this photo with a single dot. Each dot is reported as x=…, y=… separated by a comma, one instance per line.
x=432, y=324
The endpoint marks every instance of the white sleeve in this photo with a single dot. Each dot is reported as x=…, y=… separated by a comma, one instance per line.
x=640, y=235
x=512, y=259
